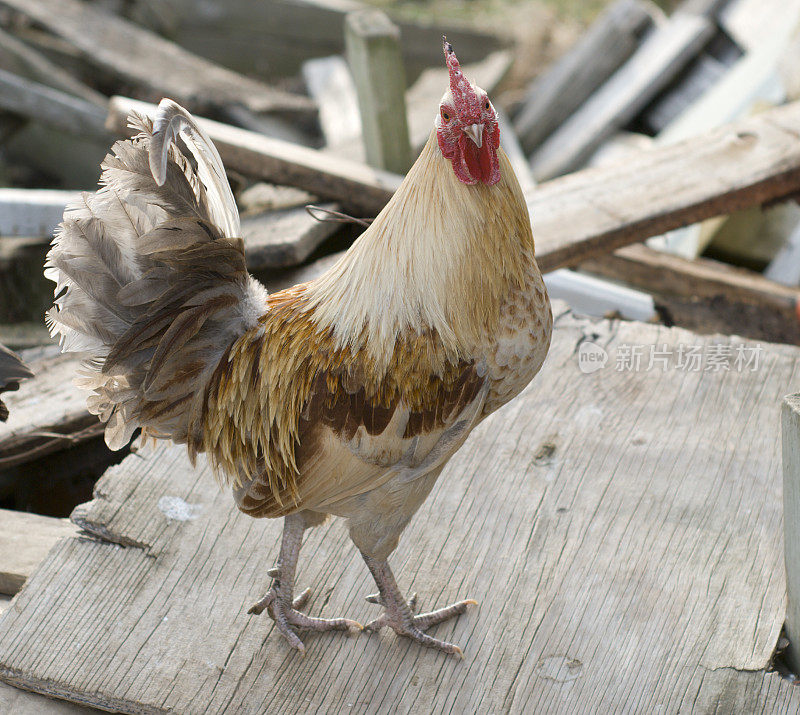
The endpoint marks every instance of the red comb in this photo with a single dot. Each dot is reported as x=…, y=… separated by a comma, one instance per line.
x=464, y=97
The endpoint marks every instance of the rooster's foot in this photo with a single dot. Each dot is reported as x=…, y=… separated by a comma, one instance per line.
x=284, y=611
x=404, y=623
x=399, y=613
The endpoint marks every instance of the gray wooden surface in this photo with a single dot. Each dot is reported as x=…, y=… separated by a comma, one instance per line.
x=621, y=531
x=372, y=43
x=790, y=423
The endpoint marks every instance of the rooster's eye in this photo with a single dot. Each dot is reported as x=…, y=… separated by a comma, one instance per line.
x=486, y=106
x=445, y=116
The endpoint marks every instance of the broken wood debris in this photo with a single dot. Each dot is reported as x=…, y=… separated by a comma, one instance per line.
x=160, y=67
x=562, y=88
x=658, y=60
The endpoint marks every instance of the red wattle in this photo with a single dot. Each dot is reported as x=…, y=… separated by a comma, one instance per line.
x=481, y=163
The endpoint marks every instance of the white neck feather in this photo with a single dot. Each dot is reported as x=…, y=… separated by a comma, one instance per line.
x=406, y=271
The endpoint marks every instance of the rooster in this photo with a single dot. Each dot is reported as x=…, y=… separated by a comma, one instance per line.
x=342, y=396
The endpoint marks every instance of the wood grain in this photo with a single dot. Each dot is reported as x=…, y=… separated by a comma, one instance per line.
x=790, y=419
x=621, y=534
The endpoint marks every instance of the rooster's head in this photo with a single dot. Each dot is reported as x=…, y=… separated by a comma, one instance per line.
x=467, y=128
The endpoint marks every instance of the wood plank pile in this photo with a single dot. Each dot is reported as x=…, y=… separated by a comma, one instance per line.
x=639, y=80
x=660, y=160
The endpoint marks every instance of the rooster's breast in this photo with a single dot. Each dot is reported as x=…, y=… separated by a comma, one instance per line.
x=514, y=353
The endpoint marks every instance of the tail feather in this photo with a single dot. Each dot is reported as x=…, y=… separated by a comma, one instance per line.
x=151, y=281
x=173, y=120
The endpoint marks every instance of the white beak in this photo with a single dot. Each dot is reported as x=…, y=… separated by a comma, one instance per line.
x=475, y=132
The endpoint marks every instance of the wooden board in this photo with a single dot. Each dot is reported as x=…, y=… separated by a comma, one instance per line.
x=150, y=62
x=705, y=295
x=621, y=531
x=561, y=89
x=273, y=39
x=574, y=217
x=32, y=212
x=657, y=61
x=48, y=413
x=277, y=239
x=23, y=60
x=372, y=45
x=38, y=102
x=25, y=540
x=22, y=702
x=592, y=212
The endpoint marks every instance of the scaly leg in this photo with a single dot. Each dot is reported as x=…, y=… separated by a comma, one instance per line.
x=399, y=613
x=279, y=601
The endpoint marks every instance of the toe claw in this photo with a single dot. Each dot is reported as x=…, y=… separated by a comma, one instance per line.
x=259, y=607
x=302, y=599
x=373, y=598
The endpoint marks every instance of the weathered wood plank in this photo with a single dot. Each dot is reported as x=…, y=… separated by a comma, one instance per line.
x=790, y=417
x=657, y=61
x=574, y=217
x=608, y=508
x=372, y=44
x=592, y=212
x=702, y=278
x=48, y=413
x=277, y=239
x=21, y=59
x=562, y=88
x=32, y=212
x=707, y=296
x=25, y=540
x=51, y=106
x=152, y=63
x=275, y=38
